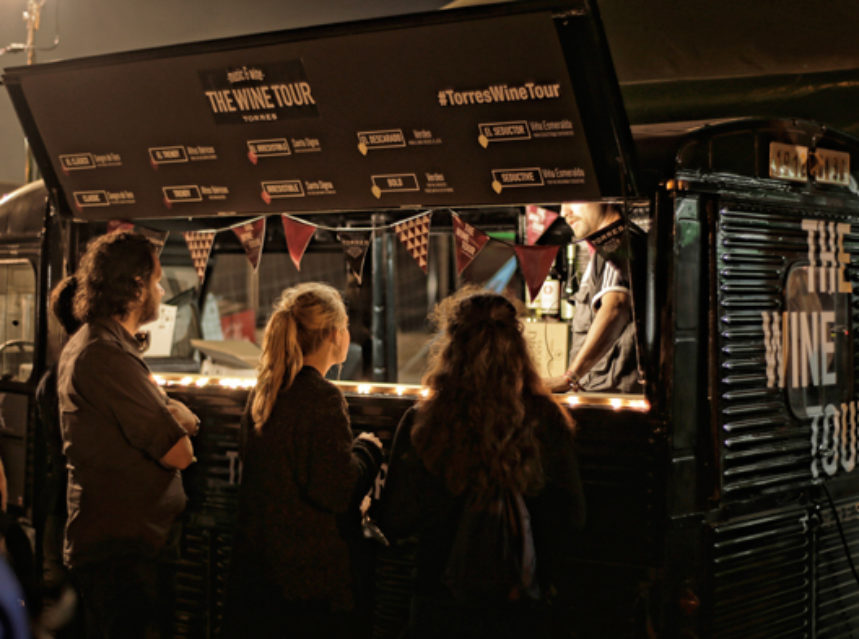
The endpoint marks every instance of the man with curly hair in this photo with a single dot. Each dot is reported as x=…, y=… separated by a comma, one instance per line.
x=125, y=443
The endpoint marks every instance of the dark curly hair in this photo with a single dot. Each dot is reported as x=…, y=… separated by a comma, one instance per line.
x=479, y=425
x=62, y=303
x=114, y=270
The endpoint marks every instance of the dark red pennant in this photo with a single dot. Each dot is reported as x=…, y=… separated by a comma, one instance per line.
x=298, y=236
x=468, y=240
x=535, y=262
x=537, y=220
x=251, y=236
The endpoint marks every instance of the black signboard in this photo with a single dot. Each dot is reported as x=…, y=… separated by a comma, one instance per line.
x=455, y=109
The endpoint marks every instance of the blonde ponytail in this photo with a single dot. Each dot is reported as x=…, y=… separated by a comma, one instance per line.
x=303, y=318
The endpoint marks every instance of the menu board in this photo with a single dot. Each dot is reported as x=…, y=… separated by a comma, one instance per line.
x=472, y=112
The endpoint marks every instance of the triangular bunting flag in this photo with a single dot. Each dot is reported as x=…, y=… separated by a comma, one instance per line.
x=537, y=220
x=298, y=235
x=468, y=240
x=414, y=235
x=251, y=235
x=119, y=225
x=355, y=245
x=200, y=244
x=535, y=262
x=158, y=238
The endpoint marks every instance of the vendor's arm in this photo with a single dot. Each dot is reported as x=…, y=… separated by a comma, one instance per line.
x=612, y=316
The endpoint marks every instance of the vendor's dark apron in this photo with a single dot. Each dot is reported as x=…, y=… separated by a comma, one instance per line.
x=617, y=371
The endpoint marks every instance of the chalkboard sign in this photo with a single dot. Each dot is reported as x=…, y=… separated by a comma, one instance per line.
x=474, y=108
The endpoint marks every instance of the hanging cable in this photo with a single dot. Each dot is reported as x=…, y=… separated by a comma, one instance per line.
x=840, y=532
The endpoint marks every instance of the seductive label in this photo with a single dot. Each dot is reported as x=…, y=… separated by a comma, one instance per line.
x=516, y=178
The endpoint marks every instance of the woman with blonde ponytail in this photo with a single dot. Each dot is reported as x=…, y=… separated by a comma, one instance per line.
x=303, y=479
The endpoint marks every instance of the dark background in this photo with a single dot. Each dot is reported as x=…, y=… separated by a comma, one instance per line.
x=696, y=59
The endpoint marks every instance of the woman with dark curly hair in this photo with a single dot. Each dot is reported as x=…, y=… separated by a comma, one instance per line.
x=488, y=422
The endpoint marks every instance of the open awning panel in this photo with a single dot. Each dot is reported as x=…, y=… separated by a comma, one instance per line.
x=484, y=107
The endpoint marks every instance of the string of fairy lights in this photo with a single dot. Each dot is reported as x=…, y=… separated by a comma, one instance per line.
x=381, y=389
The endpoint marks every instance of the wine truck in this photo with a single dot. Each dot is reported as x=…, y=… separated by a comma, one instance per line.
x=723, y=501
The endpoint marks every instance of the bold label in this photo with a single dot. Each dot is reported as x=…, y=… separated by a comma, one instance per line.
x=394, y=183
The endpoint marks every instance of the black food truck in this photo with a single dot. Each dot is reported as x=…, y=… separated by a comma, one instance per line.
x=723, y=501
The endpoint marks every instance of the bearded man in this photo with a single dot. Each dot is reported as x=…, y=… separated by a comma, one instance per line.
x=603, y=356
x=124, y=442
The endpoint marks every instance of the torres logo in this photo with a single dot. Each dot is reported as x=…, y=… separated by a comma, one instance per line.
x=265, y=92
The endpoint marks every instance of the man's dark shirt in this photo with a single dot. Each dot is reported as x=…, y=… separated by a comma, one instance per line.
x=618, y=370
x=116, y=427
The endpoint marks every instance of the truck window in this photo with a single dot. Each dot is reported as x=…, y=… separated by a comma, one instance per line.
x=17, y=319
x=216, y=328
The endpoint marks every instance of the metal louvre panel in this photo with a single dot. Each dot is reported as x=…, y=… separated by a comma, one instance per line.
x=837, y=602
x=761, y=579
x=764, y=448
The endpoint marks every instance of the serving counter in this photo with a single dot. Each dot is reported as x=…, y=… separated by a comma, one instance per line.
x=617, y=446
